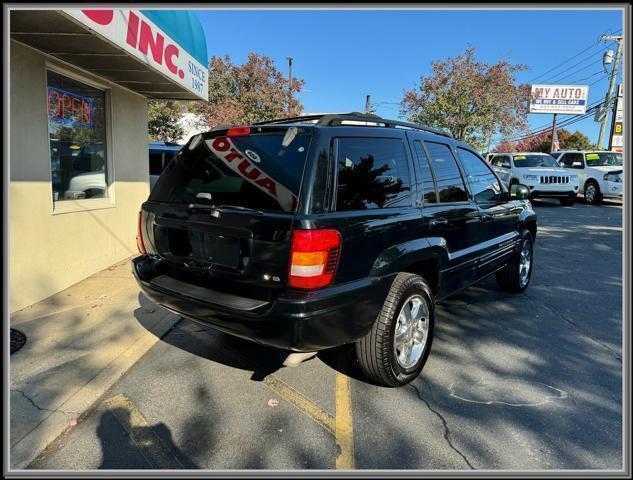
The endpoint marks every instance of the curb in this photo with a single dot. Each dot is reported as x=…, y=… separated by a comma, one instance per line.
x=29, y=447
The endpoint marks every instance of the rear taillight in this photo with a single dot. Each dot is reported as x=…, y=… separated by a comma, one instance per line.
x=314, y=256
x=238, y=132
x=139, y=235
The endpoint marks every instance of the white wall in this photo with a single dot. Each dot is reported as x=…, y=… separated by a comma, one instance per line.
x=51, y=251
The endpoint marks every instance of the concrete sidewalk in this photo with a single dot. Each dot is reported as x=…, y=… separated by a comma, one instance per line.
x=79, y=343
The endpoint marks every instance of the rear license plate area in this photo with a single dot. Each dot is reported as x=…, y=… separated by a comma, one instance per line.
x=220, y=250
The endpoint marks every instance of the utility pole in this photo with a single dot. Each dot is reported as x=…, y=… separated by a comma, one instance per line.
x=614, y=74
x=289, y=83
x=368, y=104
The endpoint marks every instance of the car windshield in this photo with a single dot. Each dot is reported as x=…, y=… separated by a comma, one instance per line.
x=603, y=159
x=531, y=161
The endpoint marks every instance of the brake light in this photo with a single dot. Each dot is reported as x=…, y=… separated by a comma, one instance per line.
x=314, y=256
x=139, y=235
x=238, y=132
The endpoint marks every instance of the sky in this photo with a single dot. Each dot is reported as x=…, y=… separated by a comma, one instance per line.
x=344, y=55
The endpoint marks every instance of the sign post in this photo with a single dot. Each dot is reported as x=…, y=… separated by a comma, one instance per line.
x=616, y=139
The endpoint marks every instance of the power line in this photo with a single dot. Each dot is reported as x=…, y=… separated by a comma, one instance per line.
x=558, y=79
x=596, y=43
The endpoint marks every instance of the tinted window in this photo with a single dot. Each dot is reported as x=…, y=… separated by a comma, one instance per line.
x=155, y=163
x=484, y=185
x=450, y=184
x=428, y=184
x=260, y=171
x=372, y=173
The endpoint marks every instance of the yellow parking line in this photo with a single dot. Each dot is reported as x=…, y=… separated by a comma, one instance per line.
x=301, y=402
x=141, y=434
x=344, y=430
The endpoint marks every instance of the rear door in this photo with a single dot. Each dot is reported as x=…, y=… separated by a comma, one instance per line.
x=449, y=215
x=224, y=208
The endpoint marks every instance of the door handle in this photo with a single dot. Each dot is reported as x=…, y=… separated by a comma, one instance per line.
x=438, y=222
x=486, y=218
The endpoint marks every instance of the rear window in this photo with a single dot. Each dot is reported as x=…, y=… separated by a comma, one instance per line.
x=262, y=171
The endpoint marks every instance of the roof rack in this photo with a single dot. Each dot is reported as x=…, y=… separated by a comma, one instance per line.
x=330, y=119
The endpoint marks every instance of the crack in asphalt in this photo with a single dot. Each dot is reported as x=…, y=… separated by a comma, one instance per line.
x=445, y=424
x=41, y=409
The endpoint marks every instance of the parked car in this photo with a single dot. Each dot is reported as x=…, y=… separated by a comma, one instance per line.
x=160, y=154
x=540, y=172
x=87, y=185
x=309, y=233
x=599, y=172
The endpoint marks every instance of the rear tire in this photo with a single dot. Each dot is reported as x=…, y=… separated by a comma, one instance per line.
x=378, y=352
x=593, y=196
x=512, y=277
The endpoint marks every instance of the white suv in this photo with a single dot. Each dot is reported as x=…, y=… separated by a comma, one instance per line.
x=599, y=171
x=539, y=172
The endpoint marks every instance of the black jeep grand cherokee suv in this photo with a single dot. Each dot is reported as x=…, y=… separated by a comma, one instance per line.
x=312, y=232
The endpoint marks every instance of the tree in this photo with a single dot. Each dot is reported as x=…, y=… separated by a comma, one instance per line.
x=543, y=142
x=473, y=100
x=163, y=124
x=254, y=91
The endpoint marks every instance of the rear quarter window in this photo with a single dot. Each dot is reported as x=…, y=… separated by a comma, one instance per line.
x=372, y=173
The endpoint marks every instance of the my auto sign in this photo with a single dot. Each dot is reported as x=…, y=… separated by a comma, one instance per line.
x=565, y=99
x=139, y=36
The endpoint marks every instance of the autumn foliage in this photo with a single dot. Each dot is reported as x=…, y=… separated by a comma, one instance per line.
x=247, y=93
x=471, y=99
x=543, y=142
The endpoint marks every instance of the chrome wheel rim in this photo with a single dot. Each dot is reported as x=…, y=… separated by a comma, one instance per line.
x=590, y=193
x=411, y=332
x=525, y=262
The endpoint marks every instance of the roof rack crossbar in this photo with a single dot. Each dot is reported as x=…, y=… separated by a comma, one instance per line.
x=339, y=118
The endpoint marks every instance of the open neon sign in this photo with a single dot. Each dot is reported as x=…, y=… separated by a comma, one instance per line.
x=69, y=108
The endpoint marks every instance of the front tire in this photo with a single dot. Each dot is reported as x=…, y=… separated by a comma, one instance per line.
x=398, y=345
x=515, y=277
x=593, y=196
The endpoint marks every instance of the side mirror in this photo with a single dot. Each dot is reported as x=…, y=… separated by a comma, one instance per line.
x=519, y=192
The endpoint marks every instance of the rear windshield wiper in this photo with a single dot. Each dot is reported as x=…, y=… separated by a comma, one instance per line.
x=239, y=207
x=199, y=206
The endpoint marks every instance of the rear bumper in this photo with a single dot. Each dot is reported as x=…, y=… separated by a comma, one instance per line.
x=295, y=320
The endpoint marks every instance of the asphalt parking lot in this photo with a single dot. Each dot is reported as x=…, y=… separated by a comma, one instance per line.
x=529, y=381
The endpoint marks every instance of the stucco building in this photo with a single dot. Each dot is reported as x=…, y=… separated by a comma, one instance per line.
x=78, y=167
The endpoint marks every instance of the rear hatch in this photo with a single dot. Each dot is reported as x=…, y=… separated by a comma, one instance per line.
x=221, y=213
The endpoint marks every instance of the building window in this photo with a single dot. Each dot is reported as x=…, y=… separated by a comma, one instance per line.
x=76, y=129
